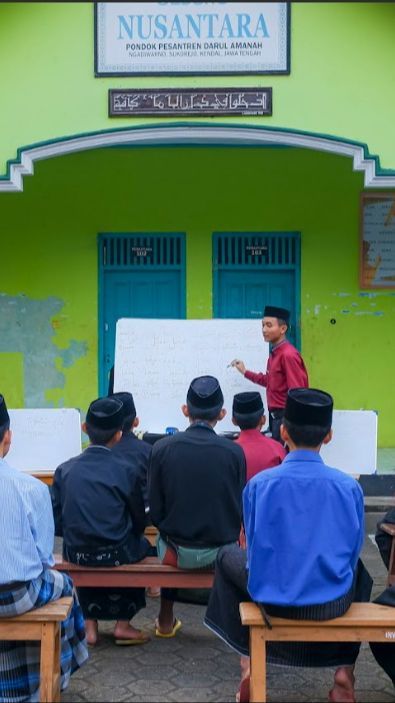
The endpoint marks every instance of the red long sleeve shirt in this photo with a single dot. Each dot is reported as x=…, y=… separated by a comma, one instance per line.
x=260, y=452
x=285, y=369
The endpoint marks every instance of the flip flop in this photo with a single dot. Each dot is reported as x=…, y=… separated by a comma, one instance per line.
x=131, y=641
x=167, y=635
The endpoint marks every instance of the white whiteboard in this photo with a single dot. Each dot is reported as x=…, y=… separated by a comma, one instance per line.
x=354, y=445
x=43, y=438
x=157, y=359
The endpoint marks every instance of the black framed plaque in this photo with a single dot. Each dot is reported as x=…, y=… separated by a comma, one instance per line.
x=208, y=102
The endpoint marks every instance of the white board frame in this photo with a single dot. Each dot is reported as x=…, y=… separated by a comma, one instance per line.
x=43, y=438
x=353, y=448
x=157, y=402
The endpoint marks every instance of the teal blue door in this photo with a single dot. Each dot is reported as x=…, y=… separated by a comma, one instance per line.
x=140, y=276
x=254, y=269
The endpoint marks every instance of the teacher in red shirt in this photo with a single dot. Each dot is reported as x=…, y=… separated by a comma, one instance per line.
x=285, y=367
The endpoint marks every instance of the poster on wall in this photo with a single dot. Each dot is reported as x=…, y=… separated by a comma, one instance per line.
x=377, y=245
x=191, y=38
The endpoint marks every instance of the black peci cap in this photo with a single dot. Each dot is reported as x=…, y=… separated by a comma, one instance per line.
x=280, y=313
x=4, y=416
x=309, y=406
x=247, y=404
x=204, y=394
x=106, y=414
x=129, y=409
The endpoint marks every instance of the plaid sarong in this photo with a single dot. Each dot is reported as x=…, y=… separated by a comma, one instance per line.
x=20, y=661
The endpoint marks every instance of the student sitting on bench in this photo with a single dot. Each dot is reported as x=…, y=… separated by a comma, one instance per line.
x=304, y=524
x=261, y=452
x=130, y=449
x=99, y=510
x=195, y=484
x=135, y=452
x=27, y=580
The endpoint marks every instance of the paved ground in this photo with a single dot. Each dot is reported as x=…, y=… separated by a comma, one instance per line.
x=197, y=666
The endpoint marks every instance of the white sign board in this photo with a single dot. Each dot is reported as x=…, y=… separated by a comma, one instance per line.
x=137, y=38
x=354, y=445
x=43, y=438
x=157, y=359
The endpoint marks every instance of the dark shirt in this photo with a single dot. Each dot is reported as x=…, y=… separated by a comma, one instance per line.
x=136, y=453
x=98, y=501
x=285, y=369
x=195, y=484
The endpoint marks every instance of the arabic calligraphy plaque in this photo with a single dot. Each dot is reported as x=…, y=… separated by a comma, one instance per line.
x=208, y=102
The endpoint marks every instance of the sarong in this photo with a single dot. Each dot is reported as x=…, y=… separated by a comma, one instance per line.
x=110, y=603
x=230, y=589
x=20, y=661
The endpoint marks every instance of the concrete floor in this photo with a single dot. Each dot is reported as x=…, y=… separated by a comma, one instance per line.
x=196, y=666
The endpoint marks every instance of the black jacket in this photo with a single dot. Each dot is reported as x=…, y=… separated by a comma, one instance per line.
x=98, y=501
x=195, y=484
x=137, y=453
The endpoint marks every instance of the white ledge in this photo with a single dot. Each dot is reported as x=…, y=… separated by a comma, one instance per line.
x=195, y=134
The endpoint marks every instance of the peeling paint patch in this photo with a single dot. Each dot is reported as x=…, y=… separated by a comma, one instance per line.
x=364, y=294
x=317, y=309
x=73, y=352
x=375, y=313
x=25, y=327
x=343, y=295
x=345, y=312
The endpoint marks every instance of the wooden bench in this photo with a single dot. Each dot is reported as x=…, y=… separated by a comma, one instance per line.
x=148, y=572
x=43, y=625
x=390, y=530
x=151, y=534
x=363, y=622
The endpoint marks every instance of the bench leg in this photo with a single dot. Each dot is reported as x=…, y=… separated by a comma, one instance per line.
x=50, y=663
x=258, y=665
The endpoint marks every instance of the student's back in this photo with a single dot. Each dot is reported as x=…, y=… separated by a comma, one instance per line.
x=97, y=500
x=130, y=450
x=260, y=452
x=99, y=509
x=26, y=526
x=27, y=580
x=196, y=481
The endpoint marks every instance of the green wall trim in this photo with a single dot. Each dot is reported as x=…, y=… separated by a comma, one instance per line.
x=375, y=175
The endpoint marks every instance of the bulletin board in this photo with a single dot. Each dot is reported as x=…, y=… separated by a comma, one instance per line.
x=377, y=240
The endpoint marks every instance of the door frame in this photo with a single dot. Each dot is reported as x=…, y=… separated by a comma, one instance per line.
x=154, y=267
x=296, y=268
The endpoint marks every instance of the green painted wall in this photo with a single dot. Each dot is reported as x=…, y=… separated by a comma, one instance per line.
x=49, y=281
x=342, y=80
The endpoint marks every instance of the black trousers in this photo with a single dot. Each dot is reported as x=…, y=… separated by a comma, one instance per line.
x=275, y=421
x=230, y=589
x=110, y=603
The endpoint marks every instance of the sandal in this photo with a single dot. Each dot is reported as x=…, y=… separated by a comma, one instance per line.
x=129, y=642
x=176, y=626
